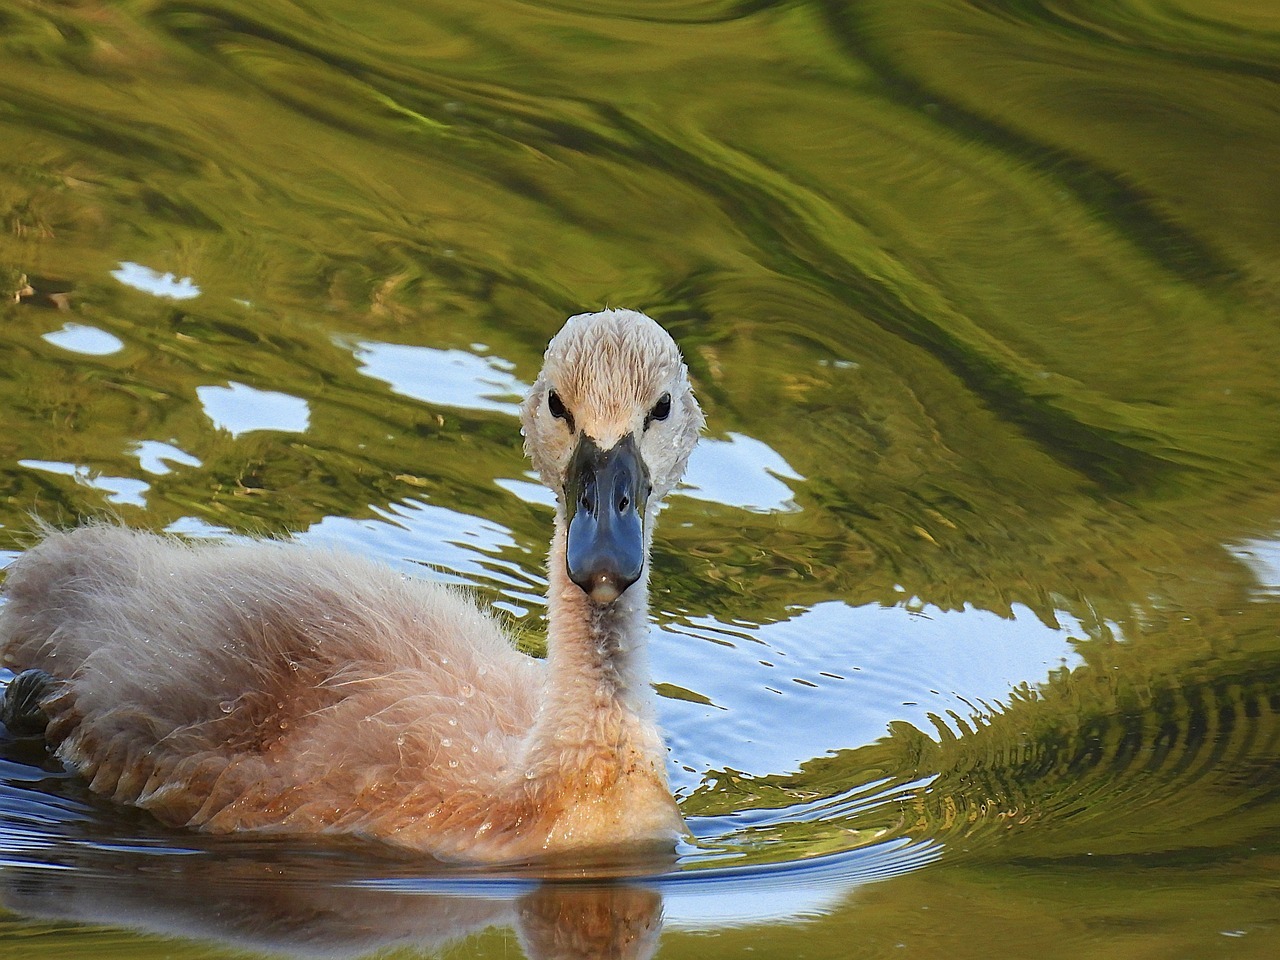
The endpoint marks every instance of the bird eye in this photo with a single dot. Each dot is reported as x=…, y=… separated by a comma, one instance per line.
x=661, y=410
x=558, y=409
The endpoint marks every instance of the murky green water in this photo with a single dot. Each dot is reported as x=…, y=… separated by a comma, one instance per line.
x=968, y=622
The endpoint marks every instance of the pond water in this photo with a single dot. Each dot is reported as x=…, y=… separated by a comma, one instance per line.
x=966, y=624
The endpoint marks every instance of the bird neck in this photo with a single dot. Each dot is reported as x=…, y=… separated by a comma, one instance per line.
x=598, y=705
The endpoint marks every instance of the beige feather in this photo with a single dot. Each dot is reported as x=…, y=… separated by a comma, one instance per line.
x=271, y=687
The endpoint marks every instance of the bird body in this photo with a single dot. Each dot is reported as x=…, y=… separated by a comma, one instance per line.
x=270, y=687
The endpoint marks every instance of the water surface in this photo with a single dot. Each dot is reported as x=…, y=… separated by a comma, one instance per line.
x=965, y=622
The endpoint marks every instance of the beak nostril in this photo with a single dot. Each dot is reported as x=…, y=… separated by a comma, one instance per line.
x=604, y=543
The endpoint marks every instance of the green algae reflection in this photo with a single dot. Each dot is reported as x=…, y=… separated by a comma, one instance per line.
x=996, y=281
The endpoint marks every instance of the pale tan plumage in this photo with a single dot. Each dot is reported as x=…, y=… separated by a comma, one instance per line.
x=271, y=687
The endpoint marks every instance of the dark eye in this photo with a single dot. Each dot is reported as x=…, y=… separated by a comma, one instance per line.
x=661, y=410
x=558, y=409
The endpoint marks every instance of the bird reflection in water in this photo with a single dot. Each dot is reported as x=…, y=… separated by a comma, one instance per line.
x=324, y=906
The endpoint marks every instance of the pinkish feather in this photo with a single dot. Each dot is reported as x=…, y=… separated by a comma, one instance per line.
x=271, y=687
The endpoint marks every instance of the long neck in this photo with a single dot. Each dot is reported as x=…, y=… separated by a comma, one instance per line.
x=598, y=706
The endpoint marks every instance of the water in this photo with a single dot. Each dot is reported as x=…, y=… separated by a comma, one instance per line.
x=965, y=624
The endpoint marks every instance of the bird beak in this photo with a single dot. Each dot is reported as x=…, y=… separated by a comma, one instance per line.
x=605, y=496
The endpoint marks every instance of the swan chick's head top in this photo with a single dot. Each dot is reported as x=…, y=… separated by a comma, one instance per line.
x=609, y=425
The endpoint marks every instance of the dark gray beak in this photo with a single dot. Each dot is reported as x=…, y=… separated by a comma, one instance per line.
x=605, y=496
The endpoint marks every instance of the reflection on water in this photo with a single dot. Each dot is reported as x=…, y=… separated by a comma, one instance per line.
x=157, y=284
x=1263, y=557
x=740, y=472
x=160, y=458
x=458, y=548
x=239, y=409
x=79, y=338
x=972, y=588
x=79, y=859
x=837, y=675
x=116, y=490
x=297, y=908
x=454, y=378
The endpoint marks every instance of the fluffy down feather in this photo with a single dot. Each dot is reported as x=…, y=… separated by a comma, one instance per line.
x=264, y=686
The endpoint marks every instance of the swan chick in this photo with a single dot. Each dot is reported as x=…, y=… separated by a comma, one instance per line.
x=275, y=688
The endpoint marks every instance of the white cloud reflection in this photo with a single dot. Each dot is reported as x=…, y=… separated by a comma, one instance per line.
x=156, y=457
x=835, y=675
x=122, y=490
x=740, y=472
x=449, y=378
x=164, y=285
x=238, y=409
x=1262, y=556
x=81, y=338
